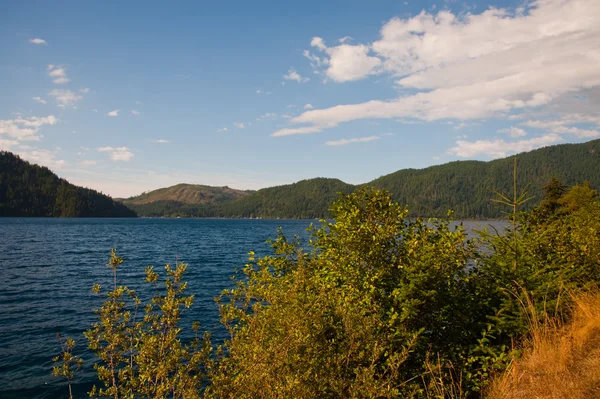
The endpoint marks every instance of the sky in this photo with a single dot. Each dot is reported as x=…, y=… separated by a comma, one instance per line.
x=129, y=96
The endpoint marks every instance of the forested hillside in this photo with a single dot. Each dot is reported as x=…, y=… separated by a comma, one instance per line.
x=305, y=199
x=466, y=187
x=32, y=190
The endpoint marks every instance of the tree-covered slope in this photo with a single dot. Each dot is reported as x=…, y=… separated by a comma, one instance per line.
x=468, y=186
x=304, y=199
x=32, y=190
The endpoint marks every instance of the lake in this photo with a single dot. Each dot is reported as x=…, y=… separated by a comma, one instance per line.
x=48, y=267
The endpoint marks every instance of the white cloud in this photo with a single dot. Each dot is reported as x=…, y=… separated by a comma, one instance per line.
x=161, y=141
x=58, y=74
x=287, y=116
x=299, y=130
x=308, y=106
x=65, y=98
x=25, y=129
x=239, y=125
x=258, y=91
x=114, y=113
x=344, y=39
x=499, y=148
x=470, y=66
x=88, y=162
x=42, y=157
x=37, y=40
x=224, y=129
x=347, y=62
x=118, y=153
x=351, y=141
x=318, y=43
x=5, y=145
x=39, y=100
x=295, y=76
x=134, y=112
x=513, y=131
x=84, y=90
x=564, y=125
x=583, y=133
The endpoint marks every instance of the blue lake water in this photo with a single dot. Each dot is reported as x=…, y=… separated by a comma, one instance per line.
x=49, y=265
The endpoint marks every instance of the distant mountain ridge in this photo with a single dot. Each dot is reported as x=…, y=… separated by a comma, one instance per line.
x=466, y=187
x=32, y=190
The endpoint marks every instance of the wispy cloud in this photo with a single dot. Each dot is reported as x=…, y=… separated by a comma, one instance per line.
x=161, y=141
x=58, y=74
x=268, y=115
x=6, y=145
x=352, y=141
x=134, y=112
x=223, y=129
x=84, y=90
x=37, y=40
x=43, y=157
x=65, y=98
x=39, y=100
x=88, y=163
x=578, y=124
x=295, y=76
x=308, y=106
x=239, y=125
x=513, y=131
x=499, y=148
x=114, y=113
x=117, y=153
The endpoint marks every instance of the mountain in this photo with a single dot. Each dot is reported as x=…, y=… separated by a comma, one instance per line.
x=184, y=200
x=467, y=187
x=32, y=190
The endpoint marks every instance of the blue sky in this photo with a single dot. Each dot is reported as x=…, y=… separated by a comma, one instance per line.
x=125, y=97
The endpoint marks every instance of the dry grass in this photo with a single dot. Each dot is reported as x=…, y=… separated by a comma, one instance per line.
x=560, y=361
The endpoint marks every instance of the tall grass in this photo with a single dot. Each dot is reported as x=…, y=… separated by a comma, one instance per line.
x=560, y=360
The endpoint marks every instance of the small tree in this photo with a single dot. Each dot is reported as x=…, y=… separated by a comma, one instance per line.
x=65, y=364
x=144, y=356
